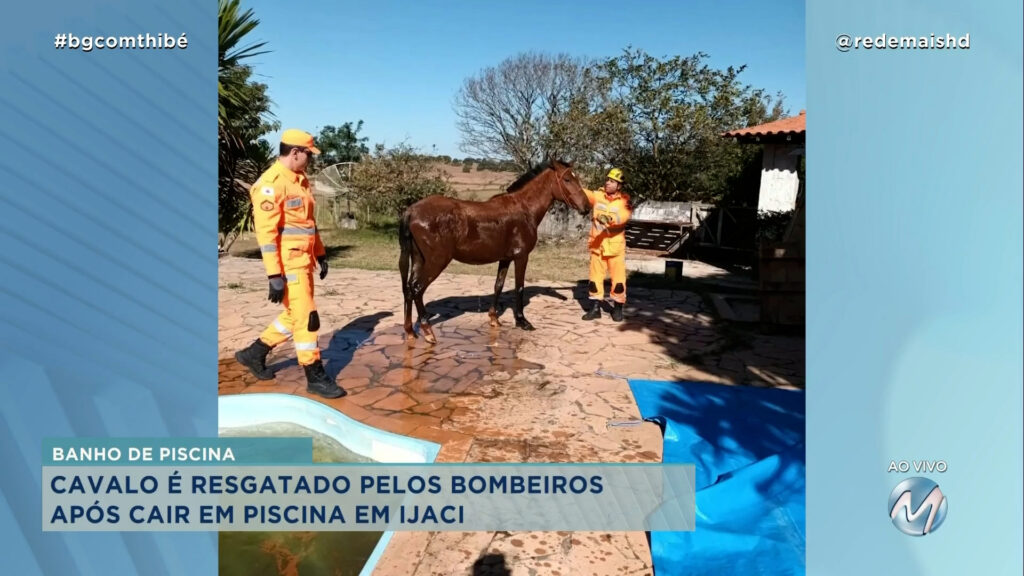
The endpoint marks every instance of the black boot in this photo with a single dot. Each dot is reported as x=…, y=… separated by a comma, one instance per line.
x=318, y=382
x=617, y=312
x=255, y=359
x=595, y=312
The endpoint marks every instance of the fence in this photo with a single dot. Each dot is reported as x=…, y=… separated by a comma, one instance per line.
x=726, y=227
x=563, y=223
x=334, y=206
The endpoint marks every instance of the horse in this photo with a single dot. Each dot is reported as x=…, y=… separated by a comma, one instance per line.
x=438, y=229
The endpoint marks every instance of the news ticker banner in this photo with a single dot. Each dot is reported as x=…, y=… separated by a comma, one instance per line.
x=258, y=484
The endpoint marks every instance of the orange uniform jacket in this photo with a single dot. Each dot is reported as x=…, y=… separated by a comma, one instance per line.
x=283, y=213
x=608, y=237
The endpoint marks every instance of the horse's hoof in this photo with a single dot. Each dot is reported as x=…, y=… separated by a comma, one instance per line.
x=430, y=339
x=525, y=325
x=492, y=316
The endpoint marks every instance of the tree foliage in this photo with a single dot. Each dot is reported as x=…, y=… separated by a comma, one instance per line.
x=341, y=143
x=389, y=180
x=233, y=27
x=660, y=120
x=243, y=116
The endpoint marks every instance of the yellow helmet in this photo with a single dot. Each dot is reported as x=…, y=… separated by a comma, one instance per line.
x=615, y=174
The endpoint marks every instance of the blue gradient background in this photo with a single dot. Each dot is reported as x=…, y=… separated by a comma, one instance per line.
x=914, y=288
x=108, y=324
x=108, y=249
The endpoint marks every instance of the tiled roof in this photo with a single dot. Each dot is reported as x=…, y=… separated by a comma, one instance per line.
x=792, y=125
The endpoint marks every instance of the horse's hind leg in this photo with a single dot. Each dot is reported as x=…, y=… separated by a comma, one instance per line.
x=410, y=334
x=421, y=310
x=423, y=274
x=499, y=284
x=404, y=265
x=521, y=321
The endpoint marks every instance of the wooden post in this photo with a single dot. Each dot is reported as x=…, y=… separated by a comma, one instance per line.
x=782, y=283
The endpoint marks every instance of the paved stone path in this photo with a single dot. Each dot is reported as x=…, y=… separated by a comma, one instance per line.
x=502, y=394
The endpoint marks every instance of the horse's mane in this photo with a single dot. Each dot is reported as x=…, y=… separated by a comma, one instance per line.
x=530, y=174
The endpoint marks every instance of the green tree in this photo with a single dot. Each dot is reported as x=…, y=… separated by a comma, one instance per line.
x=661, y=121
x=341, y=143
x=389, y=180
x=233, y=27
x=243, y=116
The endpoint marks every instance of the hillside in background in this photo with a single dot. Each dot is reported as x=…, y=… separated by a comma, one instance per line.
x=477, y=185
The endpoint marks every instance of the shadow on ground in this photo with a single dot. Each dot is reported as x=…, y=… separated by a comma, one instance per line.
x=451, y=307
x=773, y=355
x=491, y=565
x=342, y=346
x=762, y=354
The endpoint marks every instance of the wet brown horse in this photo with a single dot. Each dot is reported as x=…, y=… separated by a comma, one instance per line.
x=437, y=230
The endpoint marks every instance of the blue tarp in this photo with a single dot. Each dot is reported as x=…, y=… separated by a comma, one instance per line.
x=748, y=448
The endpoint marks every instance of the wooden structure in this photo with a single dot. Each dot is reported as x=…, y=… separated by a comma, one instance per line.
x=782, y=277
x=781, y=264
x=661, y=226
x=783, y=144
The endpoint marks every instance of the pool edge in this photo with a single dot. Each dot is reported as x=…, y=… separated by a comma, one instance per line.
x=429, y=450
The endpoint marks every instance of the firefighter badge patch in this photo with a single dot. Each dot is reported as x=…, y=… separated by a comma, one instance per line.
x=267, y=206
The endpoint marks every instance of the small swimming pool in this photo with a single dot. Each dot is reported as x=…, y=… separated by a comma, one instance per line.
x=336, y=438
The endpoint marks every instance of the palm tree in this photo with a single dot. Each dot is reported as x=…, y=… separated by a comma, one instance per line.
x=243, y=114
x=233, y=27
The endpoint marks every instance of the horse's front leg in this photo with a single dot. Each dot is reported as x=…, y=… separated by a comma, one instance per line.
x=499, y=284
x=521, y=321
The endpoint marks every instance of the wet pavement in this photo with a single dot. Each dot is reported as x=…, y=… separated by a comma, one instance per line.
x=502, y=394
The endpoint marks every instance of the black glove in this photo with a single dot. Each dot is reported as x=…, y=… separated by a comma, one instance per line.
x=322, y=261
x=276, y=289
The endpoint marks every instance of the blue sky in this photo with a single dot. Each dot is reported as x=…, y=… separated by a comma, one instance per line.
x=398, y=65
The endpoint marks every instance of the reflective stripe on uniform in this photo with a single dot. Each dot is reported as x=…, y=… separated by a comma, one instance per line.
x=293, y=203
x=305, y=346
x=291, y=277
x=292, y=231
x=268, y=248
x=599, y=207
x=280, y=328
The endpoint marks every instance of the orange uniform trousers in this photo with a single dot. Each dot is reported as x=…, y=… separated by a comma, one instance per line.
x=607, y=243
x=283, y=216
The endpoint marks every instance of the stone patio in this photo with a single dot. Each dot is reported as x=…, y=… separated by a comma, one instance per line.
x=501, y=394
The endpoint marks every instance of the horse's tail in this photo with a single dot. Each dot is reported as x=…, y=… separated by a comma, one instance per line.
x=405, y=242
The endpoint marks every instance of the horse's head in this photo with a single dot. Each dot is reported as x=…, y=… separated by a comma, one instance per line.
x=570, y=190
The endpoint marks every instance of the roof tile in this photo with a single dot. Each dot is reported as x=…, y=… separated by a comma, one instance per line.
x=792, y=125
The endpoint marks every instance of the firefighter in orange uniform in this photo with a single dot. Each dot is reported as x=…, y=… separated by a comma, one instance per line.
x=291, y=247
x=607, y=243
